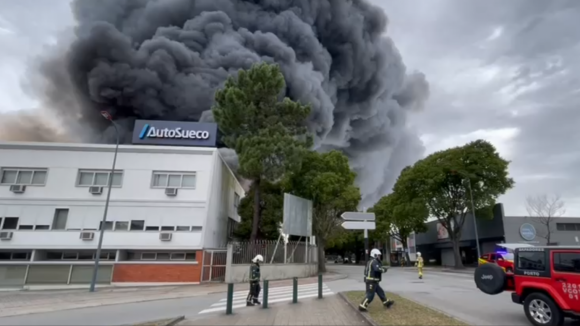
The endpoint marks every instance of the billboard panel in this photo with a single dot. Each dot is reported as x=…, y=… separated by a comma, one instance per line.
x=175, y=133
x=297, y=218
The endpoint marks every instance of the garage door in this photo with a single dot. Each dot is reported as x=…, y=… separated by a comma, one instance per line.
x=447, y=258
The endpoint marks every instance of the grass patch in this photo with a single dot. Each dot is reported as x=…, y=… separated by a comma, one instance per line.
x=403, y=312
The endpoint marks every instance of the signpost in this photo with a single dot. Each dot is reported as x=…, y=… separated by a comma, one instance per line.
x=360, y=221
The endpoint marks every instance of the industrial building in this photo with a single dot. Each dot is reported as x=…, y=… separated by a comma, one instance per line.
x=436, y=247
x=173, y=200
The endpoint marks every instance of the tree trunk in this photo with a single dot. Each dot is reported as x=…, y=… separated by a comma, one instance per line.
x=321, y=256
x=257, y=209
x=456, y=253
x=406, y=251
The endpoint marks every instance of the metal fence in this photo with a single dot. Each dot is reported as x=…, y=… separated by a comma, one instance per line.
x=274, y=252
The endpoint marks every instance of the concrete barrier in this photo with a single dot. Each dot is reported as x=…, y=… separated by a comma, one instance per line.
x=240, y=273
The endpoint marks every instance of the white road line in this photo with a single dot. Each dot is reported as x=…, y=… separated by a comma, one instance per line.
x=278, y=294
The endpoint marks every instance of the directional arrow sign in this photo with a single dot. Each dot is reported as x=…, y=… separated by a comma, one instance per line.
x=358, y=225
x=357, y=216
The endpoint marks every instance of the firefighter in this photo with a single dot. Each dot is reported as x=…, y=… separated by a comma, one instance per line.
x=252, y=298
x=373, y=276
x=419, y=265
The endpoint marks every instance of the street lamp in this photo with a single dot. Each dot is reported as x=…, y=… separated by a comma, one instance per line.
x=107, y=116
x=474, y=219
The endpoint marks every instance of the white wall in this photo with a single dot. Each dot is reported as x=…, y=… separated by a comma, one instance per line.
x=134, y=200
x=221, y=204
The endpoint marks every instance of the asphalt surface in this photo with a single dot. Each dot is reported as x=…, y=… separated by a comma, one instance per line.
x=452, y=293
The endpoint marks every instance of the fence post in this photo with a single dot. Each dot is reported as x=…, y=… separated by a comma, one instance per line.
x=265, y=295
x=295, y=290
x=319, y=285
x=230, y=299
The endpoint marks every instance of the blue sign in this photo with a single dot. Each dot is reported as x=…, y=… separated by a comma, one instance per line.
x=527, y=232
x=175, y=133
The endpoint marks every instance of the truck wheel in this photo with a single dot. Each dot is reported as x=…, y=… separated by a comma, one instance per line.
x=541, y=310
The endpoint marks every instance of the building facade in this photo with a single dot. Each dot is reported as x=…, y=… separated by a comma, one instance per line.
x=168, y=206
x=437, y=249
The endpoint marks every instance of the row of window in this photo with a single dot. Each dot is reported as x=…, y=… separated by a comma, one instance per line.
x=61, y=216
x=96, y=178
x=567, y=262
x=88, y=256
x=568, y=226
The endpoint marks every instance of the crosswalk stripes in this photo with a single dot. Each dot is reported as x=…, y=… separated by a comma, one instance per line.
x=276, y=294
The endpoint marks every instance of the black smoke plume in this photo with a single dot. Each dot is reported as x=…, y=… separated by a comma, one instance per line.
x=164, y=59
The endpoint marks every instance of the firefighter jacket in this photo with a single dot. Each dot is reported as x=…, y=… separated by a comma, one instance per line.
x=374, y=270
x=255, y=273
x=419, y=262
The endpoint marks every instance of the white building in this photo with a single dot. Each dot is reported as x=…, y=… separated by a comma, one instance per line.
x=168, y=206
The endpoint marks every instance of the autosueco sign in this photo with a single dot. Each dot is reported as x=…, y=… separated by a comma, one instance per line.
x=175, y=133
x=149, y=131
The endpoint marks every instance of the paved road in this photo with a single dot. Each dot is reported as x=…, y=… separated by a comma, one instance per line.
x=453, y=293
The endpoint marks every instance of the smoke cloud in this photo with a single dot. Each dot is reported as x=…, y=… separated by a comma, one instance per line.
x=164, y=59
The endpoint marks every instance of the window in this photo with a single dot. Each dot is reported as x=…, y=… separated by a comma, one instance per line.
x=42, y=227
x=173, y=180
x=60, y=218
x=151, y=228
x=196, y=228
x=148, y=256
x=86, y=256
x=183, y=228
x=51, y=255
x=108, y=225
x=532, y=260
x=24, y=177
x=236, y=201
x=137, y=225
x=70, y=256
x=14, y=255
x=178, y=256
x=568, y=262
x=26, y=227
x=10, y=223
x=88, y=178
x=568, y=226
x=121, y=226
x=168, y=228
x=163, y=256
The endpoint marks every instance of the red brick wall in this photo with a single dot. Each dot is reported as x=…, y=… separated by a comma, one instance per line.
x=171, y=273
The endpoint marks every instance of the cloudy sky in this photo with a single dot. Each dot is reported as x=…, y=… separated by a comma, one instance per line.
x=505, y=71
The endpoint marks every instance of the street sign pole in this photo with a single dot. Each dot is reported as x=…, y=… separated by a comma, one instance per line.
x=360, y=221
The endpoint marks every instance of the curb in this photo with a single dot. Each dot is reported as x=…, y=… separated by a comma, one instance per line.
x=431, y=307
x=169, y=322
x=364, y=316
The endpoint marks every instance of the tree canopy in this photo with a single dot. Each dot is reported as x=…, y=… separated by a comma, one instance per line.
x=399, y=218
x=445, y=180
x=328, y=181
x=268, y=132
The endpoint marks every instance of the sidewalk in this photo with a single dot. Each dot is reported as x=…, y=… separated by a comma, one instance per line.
x=331, y=310
x=29, y=302
x=439, y=269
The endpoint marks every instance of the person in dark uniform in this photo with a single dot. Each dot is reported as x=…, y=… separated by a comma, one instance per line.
x=252, y=298
x=373, y=275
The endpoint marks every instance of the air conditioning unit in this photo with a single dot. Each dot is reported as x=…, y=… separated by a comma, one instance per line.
x=165, y=236
x=87, y=236
x=171, y=191
x=17, y=189
x=6, y=235
x=96, y=190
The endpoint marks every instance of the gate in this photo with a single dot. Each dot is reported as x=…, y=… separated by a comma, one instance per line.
x=214, y=265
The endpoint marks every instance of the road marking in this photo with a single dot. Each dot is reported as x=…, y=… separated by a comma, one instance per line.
x=276, y=294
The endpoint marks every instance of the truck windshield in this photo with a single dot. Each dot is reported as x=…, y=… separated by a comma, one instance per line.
x=508, y=256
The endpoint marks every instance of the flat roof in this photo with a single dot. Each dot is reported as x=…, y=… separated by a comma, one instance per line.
x=125, y=148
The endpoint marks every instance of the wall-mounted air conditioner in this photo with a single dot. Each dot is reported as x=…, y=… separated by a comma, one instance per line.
x=6, y=235
x=17, y=189
x=171, y=191
x=87, y=236
x=96, y=190
x=165, y=236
